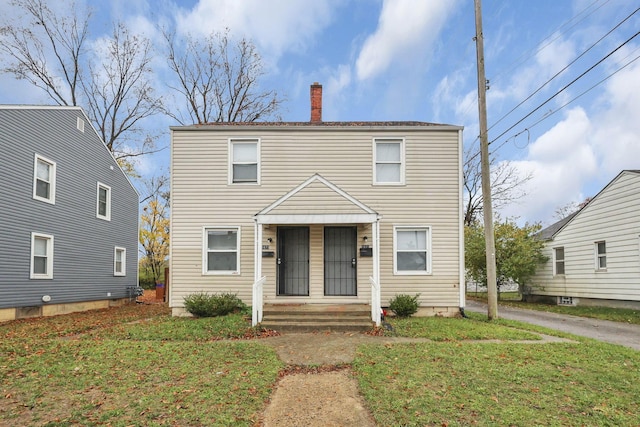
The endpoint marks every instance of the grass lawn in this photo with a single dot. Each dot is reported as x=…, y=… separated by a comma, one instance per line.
x=460, y=384
x=623, y=315
x=158, y=371
x=137, y=366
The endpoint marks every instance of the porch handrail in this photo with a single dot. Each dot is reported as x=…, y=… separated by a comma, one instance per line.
x=375, y=301
x=257, y=301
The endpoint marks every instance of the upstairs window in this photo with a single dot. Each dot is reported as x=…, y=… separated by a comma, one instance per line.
x=103, y=204
x=221, y=254
x=558, y=261
x=119, y=262
x=388, y=161
x=601, y=255
x=244, y=165
x=41, y=256
x=44, y=180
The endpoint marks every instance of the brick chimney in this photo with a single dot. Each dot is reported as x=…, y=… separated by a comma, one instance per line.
x=316, y=103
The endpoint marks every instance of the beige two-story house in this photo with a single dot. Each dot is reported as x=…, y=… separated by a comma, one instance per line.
x=318, y=212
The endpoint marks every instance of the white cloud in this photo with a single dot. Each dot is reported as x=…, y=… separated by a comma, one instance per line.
x=560, y=162
x=617, y=138
x=549, y=60
x=275, y=26
x=406, y=29
x=335, y=92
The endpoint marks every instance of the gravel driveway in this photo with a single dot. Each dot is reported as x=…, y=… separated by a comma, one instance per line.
x=624, y=334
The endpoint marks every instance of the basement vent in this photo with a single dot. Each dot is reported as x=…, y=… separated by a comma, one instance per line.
x=80, y=125
x=565, y=301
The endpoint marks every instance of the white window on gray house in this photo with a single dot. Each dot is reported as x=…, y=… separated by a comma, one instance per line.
x=120, y=262
x=41, y=256
x=103, y=204
x=244, y=161
x=221, y=250
x=388, y=159
x=412, y=250
x=601, y=255
x=44, y=180
x=558, y=261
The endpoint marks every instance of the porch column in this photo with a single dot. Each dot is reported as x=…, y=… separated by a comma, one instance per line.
x=375, y=234
x=256, y=291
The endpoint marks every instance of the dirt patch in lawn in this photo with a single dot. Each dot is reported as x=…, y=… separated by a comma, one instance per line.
x=318, y=387
x=312, y=398
x=325, y=348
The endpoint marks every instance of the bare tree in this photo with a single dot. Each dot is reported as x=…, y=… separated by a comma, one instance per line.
x=506, y=185
x=219, y=80
x=564, y=211
x=46, y=49
x=119, y=93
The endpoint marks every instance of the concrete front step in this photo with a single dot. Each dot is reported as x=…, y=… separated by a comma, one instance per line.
x=317, y=317
x=328, y=326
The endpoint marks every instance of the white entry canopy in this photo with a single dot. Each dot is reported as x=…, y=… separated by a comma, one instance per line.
x=317, y=201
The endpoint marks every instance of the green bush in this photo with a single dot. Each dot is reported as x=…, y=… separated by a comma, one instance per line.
x=404, y=305
x=204, y=305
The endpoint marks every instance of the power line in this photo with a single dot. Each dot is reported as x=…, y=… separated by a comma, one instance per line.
x=566, y=87
x=565, y=68
x=542, y=45
x=525, y=56
x=546, y=116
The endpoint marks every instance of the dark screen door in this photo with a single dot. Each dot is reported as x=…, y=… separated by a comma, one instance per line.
x=293, y=261
x=340, y=261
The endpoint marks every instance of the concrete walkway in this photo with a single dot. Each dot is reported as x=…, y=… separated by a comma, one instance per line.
x=624, y=334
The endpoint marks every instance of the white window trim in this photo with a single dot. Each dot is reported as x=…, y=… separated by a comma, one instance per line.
x=52, y=183
x=205, y=271
x=49, y=273
x=106, y=217
x=397, y=228
x=258, y=143
x=555, y=260
x=401, y=141
x=597, y=255
x=124, y=261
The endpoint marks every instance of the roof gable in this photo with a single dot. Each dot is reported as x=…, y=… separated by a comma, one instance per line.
x=91, y=133
x=319, y=199
x=550, y=232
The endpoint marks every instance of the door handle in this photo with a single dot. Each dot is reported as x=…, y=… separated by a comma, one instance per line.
x=353, y=262
x=279, y=261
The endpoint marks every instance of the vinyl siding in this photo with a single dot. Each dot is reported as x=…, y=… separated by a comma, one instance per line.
x=201, y=196
x=612, y=216
x=83, y=250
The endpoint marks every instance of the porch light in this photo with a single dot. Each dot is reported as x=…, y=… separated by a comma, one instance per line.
x=365, y=238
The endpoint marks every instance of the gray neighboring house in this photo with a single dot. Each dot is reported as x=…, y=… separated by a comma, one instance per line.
x=68, y=215
x=594, y=254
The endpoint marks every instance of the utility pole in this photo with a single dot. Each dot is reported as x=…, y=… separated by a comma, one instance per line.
x=489, y=238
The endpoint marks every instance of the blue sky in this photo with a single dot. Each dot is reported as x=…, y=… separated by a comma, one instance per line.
x=416, y=60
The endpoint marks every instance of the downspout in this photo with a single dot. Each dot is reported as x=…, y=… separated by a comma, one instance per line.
x=461, y=273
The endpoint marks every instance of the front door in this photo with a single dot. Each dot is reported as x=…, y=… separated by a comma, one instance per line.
x=293, y=261
x=340, y=261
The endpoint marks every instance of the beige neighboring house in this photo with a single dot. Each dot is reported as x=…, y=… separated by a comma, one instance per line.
x=594, y=254
x=318, y=213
